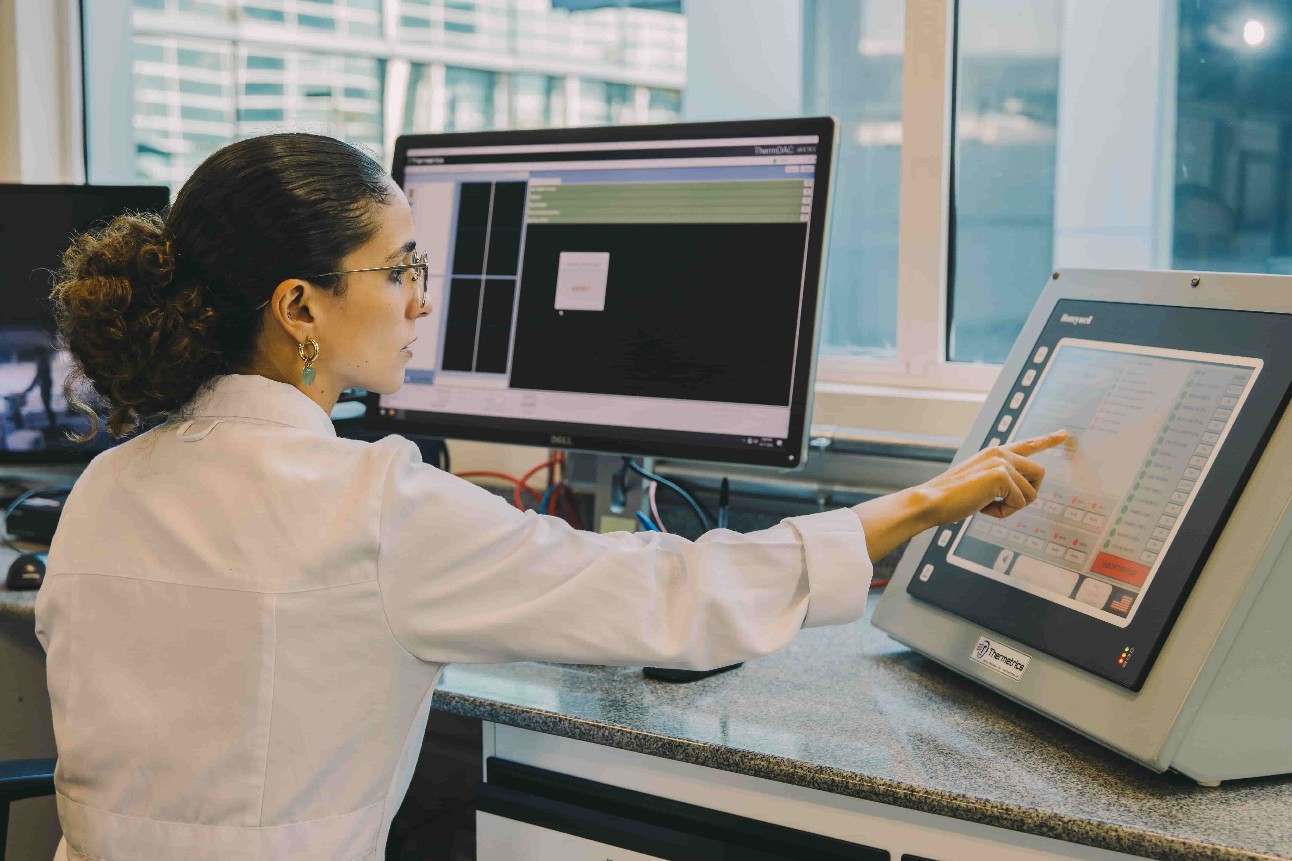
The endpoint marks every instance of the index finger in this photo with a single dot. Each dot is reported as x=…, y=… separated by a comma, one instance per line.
x=1028, y=447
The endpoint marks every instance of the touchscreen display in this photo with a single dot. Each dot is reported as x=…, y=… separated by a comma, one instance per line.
x=1168, y=409
x=1145, y=426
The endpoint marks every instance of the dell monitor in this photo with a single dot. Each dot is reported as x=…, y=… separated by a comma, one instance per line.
x=647, y=290
x=37, y=223
x=1142, y=598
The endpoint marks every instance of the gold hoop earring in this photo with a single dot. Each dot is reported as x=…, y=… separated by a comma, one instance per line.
x=307, y=374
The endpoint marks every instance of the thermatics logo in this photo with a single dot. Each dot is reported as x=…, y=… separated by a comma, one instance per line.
x=1074, y=319
x=1001, y=658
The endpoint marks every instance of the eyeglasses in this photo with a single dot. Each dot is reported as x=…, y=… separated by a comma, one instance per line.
x=420, y=274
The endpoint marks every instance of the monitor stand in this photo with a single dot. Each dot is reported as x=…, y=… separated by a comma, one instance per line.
x=666, y=674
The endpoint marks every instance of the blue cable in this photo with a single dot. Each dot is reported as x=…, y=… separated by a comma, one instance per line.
x=547, y=497
x=646, y=522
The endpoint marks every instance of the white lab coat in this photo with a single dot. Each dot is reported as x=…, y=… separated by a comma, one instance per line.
x=245, y=616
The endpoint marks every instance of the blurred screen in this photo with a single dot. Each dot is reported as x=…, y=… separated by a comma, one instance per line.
x=37, y=223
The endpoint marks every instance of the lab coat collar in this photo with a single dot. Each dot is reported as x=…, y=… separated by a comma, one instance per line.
x=252, y=396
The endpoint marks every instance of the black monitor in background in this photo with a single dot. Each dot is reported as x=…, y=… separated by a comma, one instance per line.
x=646, y=290
x=37, y=223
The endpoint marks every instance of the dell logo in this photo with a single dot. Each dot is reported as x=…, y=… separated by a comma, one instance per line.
x=1072, y=318
x=562, y=440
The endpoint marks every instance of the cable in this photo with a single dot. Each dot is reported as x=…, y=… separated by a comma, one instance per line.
x=566, y=496
x=524, y=480
x=646, y=522
x=547, y=497
x=724, y=503
x=619, y=490
x=705, y=523
x=879, y=584
x=654, y=508
x=510, y=479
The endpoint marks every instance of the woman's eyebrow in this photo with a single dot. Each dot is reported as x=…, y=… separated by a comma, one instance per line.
x=408, y=246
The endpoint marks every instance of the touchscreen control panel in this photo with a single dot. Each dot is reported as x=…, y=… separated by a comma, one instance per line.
x=1145, y=427
x=1167, y=409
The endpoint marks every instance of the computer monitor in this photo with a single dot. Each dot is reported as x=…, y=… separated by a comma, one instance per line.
x=1142, y=598
x=646, y=290
x=37, y=223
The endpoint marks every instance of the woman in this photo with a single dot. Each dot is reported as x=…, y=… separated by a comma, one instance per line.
x=245, y=616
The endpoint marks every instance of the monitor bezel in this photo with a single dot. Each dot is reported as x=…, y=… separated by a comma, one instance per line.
x=601, y=440
x=74, y=453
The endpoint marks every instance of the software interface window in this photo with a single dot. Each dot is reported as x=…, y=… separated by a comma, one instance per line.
x=613, y=284
x=1147, y=425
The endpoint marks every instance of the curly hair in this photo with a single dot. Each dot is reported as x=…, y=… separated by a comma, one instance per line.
x=153, y=308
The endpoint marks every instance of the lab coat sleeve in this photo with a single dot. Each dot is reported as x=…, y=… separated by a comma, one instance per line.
x=465, y=577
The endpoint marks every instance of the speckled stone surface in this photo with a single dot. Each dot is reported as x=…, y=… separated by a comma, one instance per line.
x=849, y=711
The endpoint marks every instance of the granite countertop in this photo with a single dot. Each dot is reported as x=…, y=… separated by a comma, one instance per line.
x=848, y=710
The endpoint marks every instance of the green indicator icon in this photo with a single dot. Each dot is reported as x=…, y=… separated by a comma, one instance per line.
x=1119, y=521
x=1159, y=440
x=1107, y=544
x=1125, y=507
x=1141, y=475
x=1135, y=486
x=1153, y=452
x=1112, y=533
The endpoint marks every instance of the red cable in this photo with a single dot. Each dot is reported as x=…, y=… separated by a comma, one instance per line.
x=524, y=480
x=517, y=483
x=879, y=584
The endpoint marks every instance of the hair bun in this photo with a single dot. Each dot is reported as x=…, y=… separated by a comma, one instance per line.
x=139, y=334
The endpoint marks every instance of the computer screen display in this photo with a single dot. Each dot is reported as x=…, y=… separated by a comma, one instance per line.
x=1168, y=410
x=37, y=223
x=647, y=290
x=1145, y=428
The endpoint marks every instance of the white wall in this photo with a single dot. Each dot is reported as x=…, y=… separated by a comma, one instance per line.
x=40, y=133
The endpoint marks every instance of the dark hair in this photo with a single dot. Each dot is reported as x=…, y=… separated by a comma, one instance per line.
x=153, y=308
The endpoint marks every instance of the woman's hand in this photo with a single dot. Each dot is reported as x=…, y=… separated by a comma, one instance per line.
x=997, y=481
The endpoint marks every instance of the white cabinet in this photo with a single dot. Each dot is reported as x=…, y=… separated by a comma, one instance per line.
x=853, y=827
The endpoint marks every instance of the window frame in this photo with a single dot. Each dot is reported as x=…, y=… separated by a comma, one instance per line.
x=916, y=392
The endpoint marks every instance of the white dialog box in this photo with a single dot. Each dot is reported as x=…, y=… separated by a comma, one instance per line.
x=581, y=280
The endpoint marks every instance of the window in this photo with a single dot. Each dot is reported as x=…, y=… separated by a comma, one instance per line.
x=856, y=75
x=1006, y=118
x=262, y=65
x=1111, y=135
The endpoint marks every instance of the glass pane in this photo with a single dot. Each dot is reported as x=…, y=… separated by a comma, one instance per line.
x=184, y=106
x=1006, y=116
x=531, y=101
x=856, y=75
x=191, y=96
x=469, y=100
x=1233, y=138
x=1189, y=166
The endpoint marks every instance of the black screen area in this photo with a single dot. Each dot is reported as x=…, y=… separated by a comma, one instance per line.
x=37, y=223
x=688, y=313
x=1092, y=526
